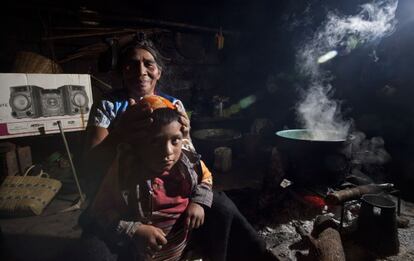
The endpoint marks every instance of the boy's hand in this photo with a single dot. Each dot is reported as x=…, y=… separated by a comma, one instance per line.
x=194, y=216
x=152, y=236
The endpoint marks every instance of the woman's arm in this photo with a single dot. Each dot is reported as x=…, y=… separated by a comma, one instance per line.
x=100, y=145
x=94, y=136
x=100, y=151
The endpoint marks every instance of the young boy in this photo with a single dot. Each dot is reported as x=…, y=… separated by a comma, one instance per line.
x=155, y=193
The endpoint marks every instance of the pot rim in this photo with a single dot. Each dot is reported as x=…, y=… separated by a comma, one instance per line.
x=378, y=200
x=283, y=134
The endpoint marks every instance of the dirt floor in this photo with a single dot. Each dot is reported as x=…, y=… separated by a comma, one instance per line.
x=283, y=233
x=55, y=235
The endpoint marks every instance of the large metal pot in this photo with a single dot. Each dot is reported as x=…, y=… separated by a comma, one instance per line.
x=314, y=161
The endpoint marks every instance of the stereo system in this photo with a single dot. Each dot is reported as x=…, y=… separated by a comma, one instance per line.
x=24, y=101
x=32, y=101
x=76, y=99
x=51, y=102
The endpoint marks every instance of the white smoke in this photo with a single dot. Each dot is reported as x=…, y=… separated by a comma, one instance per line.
x=368, y=151
x=321, y=114
x=340, y=34
x=344, y=33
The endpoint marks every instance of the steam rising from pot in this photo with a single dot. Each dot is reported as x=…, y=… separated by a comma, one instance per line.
x=321, y=114
x=338, y=35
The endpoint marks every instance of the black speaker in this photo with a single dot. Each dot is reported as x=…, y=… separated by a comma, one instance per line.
x=76, y=99
x=52, y=103
x=25, y=101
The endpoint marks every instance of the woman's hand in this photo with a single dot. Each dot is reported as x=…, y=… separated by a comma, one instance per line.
x=153, y=238
x=194, y=216
x=184, y=120
x=134, y=122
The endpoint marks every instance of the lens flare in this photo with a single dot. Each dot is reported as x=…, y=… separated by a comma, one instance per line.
x=242, y=104
x=328, y=56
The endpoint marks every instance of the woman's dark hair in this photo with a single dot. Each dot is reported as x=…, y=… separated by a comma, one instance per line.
x=164, y=116
x=145, y=44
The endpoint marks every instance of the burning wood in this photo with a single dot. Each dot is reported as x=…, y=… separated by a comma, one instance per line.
x=341, y=196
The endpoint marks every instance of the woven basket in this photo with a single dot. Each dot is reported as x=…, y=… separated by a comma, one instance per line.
x=29, y=62
x=27, y=195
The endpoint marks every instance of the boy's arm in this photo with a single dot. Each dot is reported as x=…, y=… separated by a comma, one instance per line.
x=203, y=193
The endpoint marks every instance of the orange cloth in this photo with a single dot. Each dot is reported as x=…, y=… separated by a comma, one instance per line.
x=206, y=176
x=157, y=102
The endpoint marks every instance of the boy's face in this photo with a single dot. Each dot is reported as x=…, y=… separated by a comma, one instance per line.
x=163, y=147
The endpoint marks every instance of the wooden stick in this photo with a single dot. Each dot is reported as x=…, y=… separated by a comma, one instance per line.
x=329, y=246
x=326, y=241
x=168, y=24
x=61, y=37
x=341, y=196
x=101, y=82
x=64, y=28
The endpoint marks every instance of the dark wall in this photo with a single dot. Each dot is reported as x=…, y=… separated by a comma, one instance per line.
x=258, y=59
x=195, y=70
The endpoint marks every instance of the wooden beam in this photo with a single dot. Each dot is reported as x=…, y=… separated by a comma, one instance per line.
x=70, y=36
x=161, y=23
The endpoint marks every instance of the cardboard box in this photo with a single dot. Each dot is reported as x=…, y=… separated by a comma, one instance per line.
x=24, y=156
x=8, y=160
x=32, y=104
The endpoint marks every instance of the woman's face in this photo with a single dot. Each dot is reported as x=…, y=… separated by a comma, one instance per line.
x=140, y=73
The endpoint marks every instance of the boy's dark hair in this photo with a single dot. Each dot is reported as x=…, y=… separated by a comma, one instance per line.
x=164, y=116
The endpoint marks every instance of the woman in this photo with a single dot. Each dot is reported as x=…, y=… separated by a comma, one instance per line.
x=117, y=118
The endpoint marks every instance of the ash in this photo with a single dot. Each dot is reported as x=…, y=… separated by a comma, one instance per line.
x=286, y=226
x=281, y=238
x=288, y=223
